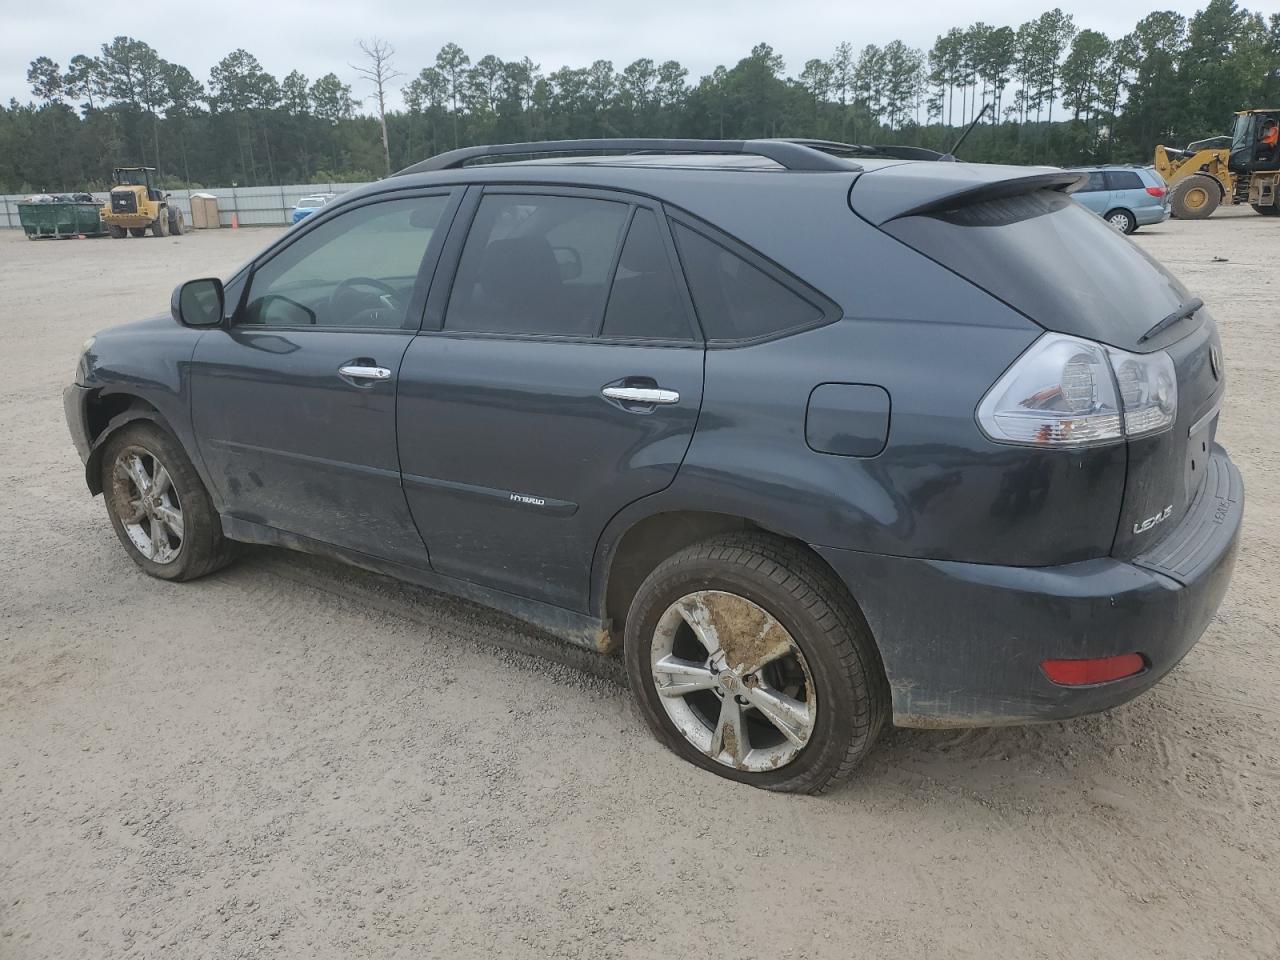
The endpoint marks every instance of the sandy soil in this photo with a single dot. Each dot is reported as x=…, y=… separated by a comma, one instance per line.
x=292, y=759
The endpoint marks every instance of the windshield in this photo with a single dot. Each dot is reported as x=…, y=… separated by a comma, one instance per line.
x=1240, y=134
x=132, y=178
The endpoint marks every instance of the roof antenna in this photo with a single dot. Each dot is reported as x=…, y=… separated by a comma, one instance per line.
x=950, y=155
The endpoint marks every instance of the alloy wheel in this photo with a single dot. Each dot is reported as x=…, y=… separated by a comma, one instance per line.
x=147, y=504
x=733, y=681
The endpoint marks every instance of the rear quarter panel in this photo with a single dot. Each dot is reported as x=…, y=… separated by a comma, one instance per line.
x=935, y=343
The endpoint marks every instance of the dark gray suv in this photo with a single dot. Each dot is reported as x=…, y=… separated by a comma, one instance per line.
x=821, y=441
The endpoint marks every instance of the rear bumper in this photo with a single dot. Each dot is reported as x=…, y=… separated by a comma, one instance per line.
x=1146, y=216
x=962, y=643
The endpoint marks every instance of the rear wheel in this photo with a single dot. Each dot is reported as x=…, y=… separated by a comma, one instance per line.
x=1122, y=220
x=748, y=658
x=177, y=222
x=1265, y=211
x=158, y=506
x=137, y=231
x=160, y=227
x=1195, y=198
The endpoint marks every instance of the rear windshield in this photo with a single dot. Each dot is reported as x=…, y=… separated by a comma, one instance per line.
x=1054, y=261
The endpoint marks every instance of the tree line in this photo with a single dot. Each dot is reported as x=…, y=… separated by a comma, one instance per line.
x=1060, y=94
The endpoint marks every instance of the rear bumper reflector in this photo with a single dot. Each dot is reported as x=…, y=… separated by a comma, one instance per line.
x=1079, y=673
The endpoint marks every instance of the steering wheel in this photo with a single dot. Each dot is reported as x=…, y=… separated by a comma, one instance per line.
x=388, y=295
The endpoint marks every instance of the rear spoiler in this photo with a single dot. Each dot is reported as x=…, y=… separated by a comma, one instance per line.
x=914, y=191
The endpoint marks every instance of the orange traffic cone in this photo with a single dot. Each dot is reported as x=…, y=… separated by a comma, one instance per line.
x=235, y=222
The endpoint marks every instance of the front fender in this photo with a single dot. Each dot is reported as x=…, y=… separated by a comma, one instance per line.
x=140, y=410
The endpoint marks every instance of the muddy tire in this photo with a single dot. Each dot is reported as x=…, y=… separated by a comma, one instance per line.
x=160, y=227
x=1272, y=211
x=117, y=233
x=177, y=222
x=1195, y=198
x=785, y=689
x=159, y=507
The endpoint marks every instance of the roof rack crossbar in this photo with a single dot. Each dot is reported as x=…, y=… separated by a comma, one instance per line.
x=791, y=154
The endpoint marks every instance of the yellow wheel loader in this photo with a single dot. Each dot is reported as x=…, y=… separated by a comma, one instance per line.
x=137, y=205
x=1241, y=168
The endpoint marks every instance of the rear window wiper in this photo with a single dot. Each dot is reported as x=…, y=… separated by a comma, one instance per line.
x=1186, y=310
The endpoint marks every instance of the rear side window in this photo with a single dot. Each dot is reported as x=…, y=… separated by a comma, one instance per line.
x=645, y=302
x=734, y=299
x=536, y=265
x=1124, y=180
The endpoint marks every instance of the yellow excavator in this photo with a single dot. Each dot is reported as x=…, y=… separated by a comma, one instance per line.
x=1241, y=168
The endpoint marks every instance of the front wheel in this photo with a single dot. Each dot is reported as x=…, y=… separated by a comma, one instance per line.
x=1272, y=211
x=1195, y=197
x=159, y=507
x=748, y=658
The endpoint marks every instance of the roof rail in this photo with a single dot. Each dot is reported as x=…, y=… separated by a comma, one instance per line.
x=810, y=155
x=870, y=149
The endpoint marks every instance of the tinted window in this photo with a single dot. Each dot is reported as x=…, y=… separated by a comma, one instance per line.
x=357, y=270
x=1124, y=180
x=1054, y=261
x=536, y=265
x=734, y=299
x=645, y=301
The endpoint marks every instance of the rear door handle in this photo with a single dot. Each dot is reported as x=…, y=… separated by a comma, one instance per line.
x=358, y=371
x=641, y=395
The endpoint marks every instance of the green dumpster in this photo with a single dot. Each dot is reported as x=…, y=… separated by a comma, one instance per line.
x=61, y=218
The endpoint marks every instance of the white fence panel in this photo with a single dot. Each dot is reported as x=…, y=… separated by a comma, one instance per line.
x=249, y=206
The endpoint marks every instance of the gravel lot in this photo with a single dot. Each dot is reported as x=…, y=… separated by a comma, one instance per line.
x=294, y=759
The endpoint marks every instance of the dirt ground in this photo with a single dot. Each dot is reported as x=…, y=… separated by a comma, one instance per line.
x=293, y=759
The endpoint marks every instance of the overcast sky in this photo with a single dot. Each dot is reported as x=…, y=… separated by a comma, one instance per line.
x=318, y=36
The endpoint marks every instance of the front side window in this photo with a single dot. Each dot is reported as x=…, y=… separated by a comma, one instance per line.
x=536, y=265
x=356, y=270
x=734, y=299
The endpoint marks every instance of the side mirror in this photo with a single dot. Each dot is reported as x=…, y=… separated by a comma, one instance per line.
x=198, y=303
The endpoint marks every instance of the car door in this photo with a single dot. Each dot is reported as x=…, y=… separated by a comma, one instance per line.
x=562, y=382
x=1095, y=194
x=293, y=400
x=1128, y=192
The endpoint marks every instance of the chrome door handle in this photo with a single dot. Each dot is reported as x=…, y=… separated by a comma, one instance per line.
x=641, y=395
x=360, y=372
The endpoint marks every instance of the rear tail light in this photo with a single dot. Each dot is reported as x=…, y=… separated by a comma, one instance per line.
x=1148, y=390
x=1069, y=392
x=1079, y=673
x=1156, y=191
